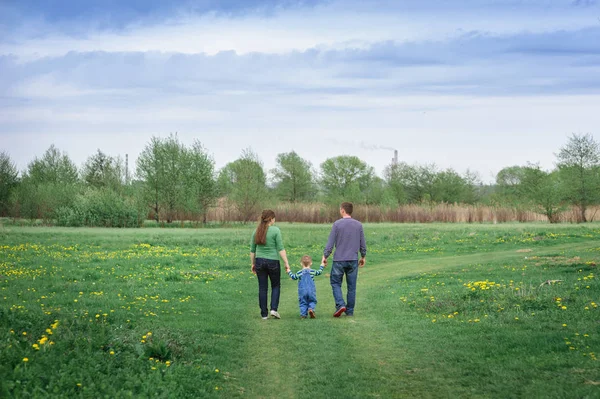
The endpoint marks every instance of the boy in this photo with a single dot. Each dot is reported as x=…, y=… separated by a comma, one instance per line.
x=307, y=292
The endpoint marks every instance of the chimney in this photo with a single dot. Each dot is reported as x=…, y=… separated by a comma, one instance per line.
x=395, y=159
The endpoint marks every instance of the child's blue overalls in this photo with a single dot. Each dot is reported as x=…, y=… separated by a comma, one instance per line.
x=307, y=292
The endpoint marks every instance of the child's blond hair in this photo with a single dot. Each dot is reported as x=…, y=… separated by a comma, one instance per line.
x=306, y=260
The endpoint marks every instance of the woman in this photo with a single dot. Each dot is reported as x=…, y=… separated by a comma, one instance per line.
x=265, y=250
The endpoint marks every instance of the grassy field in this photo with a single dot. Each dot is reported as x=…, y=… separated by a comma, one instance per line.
x=442, y=311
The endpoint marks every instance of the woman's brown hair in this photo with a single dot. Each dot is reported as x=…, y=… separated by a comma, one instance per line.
x=260, y=238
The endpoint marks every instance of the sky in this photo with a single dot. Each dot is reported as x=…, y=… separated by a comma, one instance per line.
x=473, y=85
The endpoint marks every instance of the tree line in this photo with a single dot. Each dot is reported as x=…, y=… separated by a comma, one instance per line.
x=172, y=179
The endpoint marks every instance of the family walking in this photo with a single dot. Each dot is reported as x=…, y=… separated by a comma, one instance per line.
x=348, y=239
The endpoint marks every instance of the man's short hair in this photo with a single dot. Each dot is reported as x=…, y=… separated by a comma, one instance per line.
x=347, y=207
x=306, y=260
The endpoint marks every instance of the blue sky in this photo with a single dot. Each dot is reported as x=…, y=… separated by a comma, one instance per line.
x=476, y=85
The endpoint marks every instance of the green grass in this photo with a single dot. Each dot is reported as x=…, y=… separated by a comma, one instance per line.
x=442, y=311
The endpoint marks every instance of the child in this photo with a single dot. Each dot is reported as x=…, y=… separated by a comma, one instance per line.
x=307, y=292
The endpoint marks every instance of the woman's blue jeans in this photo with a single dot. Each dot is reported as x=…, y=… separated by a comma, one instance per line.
x=268, y=269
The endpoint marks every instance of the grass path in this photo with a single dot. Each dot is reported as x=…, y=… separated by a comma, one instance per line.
x=378, y=353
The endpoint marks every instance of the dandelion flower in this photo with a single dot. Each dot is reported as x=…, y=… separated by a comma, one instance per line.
x=25, y=359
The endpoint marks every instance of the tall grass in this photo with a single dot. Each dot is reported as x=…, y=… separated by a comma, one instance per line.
x=430, y=213
x=320, y=213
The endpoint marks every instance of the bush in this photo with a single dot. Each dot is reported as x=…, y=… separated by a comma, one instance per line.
x=99, y=208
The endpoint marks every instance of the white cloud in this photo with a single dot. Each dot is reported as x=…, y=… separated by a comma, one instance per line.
x=332, y=25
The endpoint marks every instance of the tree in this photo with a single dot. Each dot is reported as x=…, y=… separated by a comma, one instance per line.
x=543, y=191
x=243, y=181
x=53, y=167
x=579, y=165
x=448, y=186
x=175, y=164
x=293, y=178
x=49, y=183
x=344, y=177
x=161, y=166
x=377, y=192
x=150, y=169
x=200, y=179
x=508, y=185
x=392, y=177
x=413, y=184
x=8, y=181
x=101, y=170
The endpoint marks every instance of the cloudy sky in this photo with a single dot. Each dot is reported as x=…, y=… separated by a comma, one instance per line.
x=469, y=84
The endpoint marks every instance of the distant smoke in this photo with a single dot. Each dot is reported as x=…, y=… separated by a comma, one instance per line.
x=375, y=147
x=361, y=144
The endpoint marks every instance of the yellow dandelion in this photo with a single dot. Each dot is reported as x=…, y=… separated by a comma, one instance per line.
x=112, y=352
x=25, y=359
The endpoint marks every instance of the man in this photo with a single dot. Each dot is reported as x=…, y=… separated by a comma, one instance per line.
x=348, y=238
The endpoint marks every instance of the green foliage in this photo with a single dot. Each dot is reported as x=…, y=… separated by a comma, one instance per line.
x=53, y=167
x=41, y=200
x=344, y=178
x=579, y=165
x=9, y=177
x=49, y=183
x=544, y=191
x=200, y=183
x=101, y=170
x=162, y=167
x=243, y=182
x=100, y=207
x=293, y=178
x=450, y=187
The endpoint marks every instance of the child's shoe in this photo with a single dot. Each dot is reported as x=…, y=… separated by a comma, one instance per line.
x=311, y=313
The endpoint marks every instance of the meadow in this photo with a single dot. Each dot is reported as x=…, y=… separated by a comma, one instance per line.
x=443, y=310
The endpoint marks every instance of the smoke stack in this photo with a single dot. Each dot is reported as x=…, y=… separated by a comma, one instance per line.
x=126, y=169
x=395, y=159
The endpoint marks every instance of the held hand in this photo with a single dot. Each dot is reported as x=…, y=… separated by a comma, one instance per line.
x=324, y=261
x=361, y=262
x=253, y=268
